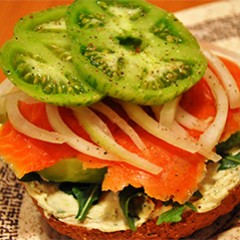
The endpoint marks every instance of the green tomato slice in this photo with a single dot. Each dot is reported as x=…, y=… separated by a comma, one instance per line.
x=132, y=50
x=38, y=60
x=47, y=21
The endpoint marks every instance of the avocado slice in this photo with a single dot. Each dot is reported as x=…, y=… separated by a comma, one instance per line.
x=71, y=170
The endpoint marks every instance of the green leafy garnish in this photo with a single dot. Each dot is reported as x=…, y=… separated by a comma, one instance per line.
x=175, y=213
x=191, y=206
x=197, y=195
x=230, y=161
x=230, y=143
x=172, y=215
x=32, y=176
x=131, y=202
x=86, y=195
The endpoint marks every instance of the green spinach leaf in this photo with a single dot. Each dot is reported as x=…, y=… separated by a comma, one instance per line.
x=86, y=195
x=131, y=202
x=229, y=161
x=172, y=215
x=224, y=149
x=175, y=213
x=230, y=143
x=32, y=176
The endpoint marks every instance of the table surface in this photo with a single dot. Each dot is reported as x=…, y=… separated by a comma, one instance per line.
x=12, y=10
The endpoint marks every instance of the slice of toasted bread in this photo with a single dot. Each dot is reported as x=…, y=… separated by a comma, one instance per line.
x=191, y=222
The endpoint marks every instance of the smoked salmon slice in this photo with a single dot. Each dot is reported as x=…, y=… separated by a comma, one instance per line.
x=181, y=171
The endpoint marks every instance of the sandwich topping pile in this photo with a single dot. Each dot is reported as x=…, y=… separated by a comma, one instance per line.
x=112, y=115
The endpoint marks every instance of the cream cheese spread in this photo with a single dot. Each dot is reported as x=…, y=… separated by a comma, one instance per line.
x=216, y=186
x=107, y=215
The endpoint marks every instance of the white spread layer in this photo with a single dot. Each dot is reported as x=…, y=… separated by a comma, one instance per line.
x=216, y=186
x=107, y=215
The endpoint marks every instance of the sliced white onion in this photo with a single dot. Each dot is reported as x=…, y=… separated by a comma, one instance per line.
x=75, y=141
x=102, y=125
x=191, y=122
x=179, y=131
x=156, y=111
x=121, y=123
x=29, y=100
x=3, y=110
x=88, y=120
x=210, y=155
x=22, y=125
x=6, y=87
x=137, y=114
x=223, y=52
x=175, y=135
x=226, y=78
x=209, y=139
x=168, y=112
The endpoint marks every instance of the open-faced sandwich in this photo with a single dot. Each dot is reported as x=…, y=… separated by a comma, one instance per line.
x=118, y=124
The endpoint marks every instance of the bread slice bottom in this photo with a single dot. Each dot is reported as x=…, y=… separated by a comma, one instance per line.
x=191, y=222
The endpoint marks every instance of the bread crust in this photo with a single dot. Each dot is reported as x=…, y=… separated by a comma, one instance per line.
x=191, y=222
